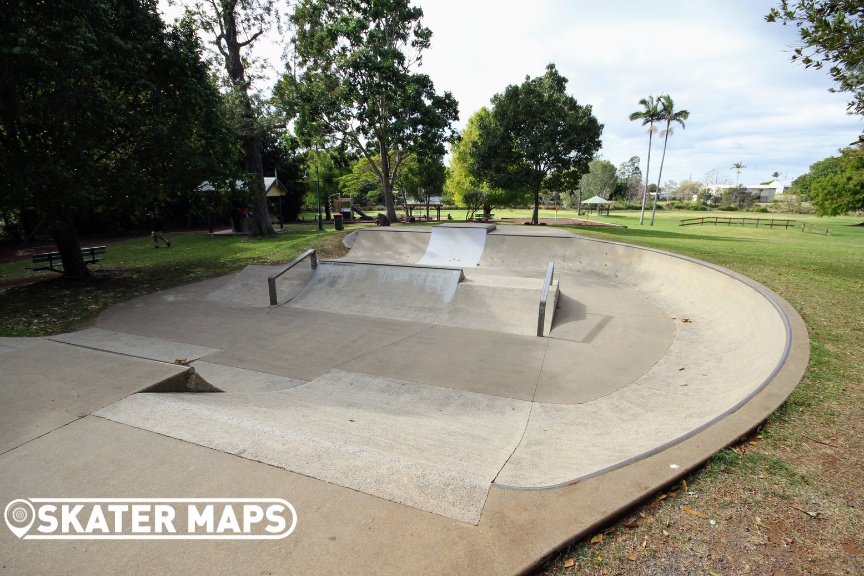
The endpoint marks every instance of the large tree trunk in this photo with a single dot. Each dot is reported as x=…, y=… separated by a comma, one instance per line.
x=66, y=239
x=251, y=141
x=535, y=217
x=660, y=174
x=387, y=184
x=647, y=169
x=261, y=225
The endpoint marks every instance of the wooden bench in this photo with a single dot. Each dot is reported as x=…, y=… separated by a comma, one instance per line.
x=52, y=260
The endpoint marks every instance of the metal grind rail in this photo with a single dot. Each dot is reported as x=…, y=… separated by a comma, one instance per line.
x=544, y=296
x=271, y=280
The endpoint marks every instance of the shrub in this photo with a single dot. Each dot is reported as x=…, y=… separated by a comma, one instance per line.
x=730, y=208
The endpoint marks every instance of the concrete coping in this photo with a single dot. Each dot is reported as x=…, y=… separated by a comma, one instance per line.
x=489, y=226
x=344, y=261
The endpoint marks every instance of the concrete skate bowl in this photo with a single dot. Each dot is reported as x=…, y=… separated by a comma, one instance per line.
x=411, y=369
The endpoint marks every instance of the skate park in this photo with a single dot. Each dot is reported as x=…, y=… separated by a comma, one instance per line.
x=461, y=398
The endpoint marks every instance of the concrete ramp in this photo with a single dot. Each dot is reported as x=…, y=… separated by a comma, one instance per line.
x=396, y=245
x=415, y=293
x=410, y=443
x=249, y=287
x=455, y=245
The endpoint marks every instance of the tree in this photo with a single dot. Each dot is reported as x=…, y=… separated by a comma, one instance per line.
x=361, y=184
x=649, y=115
x=460, y=175
x=831, y=33
x=714, y=177
x=630, y=175
x=738, y=167
x=802, y=186
x=357, y=87
x=234, y=26
x=839, y=189
x=737, y=196
x=537, y=135
x=420, y=179
x=687, y=189
x=101, y=106
x=669, y=115
x=601, y=180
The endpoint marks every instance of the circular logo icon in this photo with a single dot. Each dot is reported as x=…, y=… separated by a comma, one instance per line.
x=19, y=515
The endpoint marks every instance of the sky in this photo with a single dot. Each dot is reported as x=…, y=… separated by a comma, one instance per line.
x=718, y=59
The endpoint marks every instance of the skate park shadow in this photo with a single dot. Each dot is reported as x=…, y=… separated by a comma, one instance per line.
x=573, y=322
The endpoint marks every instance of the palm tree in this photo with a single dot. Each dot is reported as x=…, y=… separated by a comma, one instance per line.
x=649, y=115
x=667, y=113
x=738, y=166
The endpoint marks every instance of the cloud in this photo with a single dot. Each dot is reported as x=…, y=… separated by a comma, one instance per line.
x=720, y=60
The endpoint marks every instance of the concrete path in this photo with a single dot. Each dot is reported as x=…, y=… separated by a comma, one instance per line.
x=410, y=415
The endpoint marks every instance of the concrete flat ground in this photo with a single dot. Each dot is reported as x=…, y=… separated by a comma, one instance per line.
x=409, y=413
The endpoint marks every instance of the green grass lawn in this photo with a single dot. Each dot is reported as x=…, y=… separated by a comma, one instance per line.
x=133, y=267
x=808, y=456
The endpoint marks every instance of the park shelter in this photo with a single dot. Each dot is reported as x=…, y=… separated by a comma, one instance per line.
x=600, y=203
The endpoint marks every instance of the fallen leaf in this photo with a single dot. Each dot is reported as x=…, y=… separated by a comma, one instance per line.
x=597, y=539
x=644, y=543
x=631, y=522
x=680, y=369
x=661, y=497
x=684, y=485
x=693, y=512
x=599, y=558
x=569, y=563
x=632, y=557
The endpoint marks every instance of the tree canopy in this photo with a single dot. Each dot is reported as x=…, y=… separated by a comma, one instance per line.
x=601, y=180
x=101, y=107
x=831, y=34
x=536, y=136
x=357, y=87
x=837, y=184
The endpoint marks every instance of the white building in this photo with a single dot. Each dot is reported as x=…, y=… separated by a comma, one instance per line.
x=765, y=192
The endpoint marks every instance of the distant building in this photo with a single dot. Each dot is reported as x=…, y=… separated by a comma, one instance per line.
x=765, y=192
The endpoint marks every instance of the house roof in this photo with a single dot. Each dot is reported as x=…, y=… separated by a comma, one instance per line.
x=274, y=187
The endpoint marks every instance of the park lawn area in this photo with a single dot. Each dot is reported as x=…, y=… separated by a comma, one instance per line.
x=131, y=268
x=787, y=499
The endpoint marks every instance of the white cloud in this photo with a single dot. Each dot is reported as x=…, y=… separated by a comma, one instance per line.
x=719, y=60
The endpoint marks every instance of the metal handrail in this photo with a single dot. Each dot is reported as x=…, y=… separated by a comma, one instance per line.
x=271, y=280
x=544, y=296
